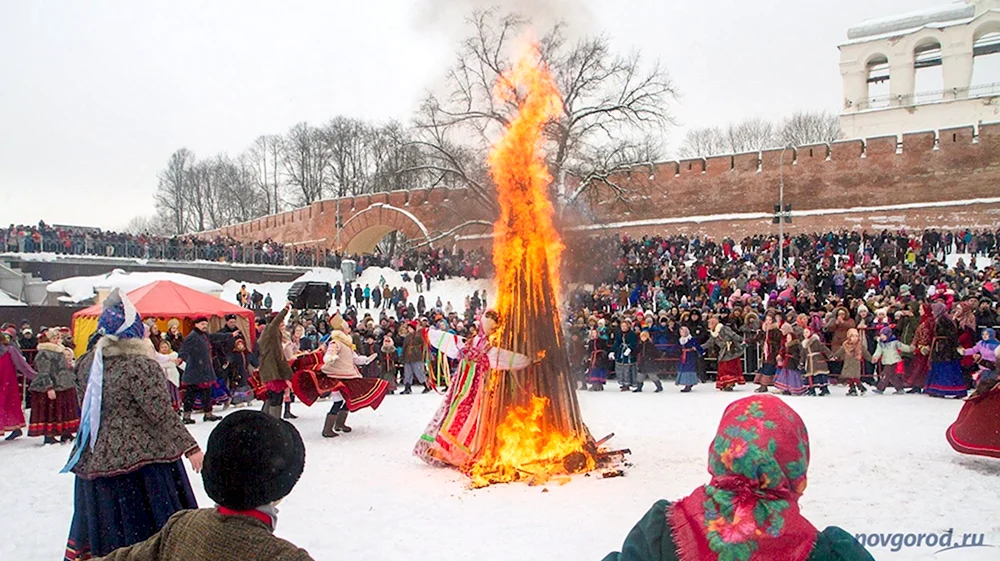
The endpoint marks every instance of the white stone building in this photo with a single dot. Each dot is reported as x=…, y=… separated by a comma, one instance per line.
x=925, y=70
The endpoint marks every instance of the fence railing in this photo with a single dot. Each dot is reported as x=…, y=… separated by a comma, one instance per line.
x=922, y=98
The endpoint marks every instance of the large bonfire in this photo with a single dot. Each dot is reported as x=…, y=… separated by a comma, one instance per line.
x=531, y=424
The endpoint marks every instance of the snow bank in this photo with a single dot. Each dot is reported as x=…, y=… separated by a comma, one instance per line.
x=866, y=475
x=80, y=289
x=452, y=290
x=8, y=300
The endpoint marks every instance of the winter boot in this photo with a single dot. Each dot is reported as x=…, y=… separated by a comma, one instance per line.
x=638, y=389
x=825, y=390
x=914, y=390
x=406, y=391
x=427, y=389
x=659, y=387
x=811, y=391
x=14, y=435
x=878, y=391
x=210, y=418
x=852, y=391
x=49, y=440
x=66, y=438
x=328, y=432
x=288, y=412
x=862, y=388
x=186, y=419
x=687, y=389
x=760, y=389
x=341, y=419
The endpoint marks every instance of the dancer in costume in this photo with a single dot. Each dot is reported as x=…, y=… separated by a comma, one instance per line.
x=771, y=341
x=816, y=367
x=598, y=364
x=171, y=365
x=730, y=349
x=12, y=362
x=976, y=431
x=242, y=363
x=451, y=438
x=749, y=510
x=129, y=476
x=275, y=372
x=917, y=368
x=687, y=369
x=789, y=379
x=53, y=392
x=945, y=378
x=853, y=353
x=334, y=370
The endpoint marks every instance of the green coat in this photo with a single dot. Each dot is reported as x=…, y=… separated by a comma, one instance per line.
x=651, y=540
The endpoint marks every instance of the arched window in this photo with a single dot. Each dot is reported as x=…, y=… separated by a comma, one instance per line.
x=986, y=60
x=878, y=82
x=928, y=79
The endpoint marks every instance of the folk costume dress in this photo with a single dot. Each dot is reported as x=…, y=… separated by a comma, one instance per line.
x=57, y=417
x=771, y=347
x=317, y=373
x=945, y=378
x=976, y=431
x=687, y=368
x=730, y=365
x=451, y=438
x=598, y=363
x=789, y=378
x=749, y=510
x=11, y=363
x=915, y=376
x=127, y=456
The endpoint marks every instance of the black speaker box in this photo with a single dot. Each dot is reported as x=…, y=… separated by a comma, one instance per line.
x=310, y=295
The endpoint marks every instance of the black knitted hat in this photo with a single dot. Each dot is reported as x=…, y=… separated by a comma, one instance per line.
x=252, y=460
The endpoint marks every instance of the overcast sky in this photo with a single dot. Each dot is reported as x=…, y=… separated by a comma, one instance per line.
x=94, y=96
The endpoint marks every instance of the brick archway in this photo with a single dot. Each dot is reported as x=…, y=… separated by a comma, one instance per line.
x=362, y=232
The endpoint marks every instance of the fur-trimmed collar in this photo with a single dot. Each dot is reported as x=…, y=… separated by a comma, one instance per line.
x=128, y=347
x=54, y=347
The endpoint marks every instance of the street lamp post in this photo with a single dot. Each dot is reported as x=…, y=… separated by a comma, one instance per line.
x=782, y=214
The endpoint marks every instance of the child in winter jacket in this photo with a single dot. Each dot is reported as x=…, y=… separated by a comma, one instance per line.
x=889, y=352
x=687, y=370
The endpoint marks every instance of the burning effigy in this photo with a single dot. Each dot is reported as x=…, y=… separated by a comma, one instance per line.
x=511, y=412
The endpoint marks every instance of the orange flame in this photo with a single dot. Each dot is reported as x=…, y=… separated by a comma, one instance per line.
x=526, y=253
x=524, y=234
x=529, y=450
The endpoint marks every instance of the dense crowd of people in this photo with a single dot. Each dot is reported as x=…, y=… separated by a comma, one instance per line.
x=438, y=263
x=872, y=312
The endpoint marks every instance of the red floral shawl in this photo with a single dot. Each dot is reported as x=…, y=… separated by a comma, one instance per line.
x=749, y=510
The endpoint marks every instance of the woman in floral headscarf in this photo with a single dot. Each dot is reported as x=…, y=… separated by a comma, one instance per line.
x=749, y=510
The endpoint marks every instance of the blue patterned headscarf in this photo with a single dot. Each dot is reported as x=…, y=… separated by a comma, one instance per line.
x=119, y=320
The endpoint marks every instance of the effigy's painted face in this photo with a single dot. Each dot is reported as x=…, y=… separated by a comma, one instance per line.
x=489, y=325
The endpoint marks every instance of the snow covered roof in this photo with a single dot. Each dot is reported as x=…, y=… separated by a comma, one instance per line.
x=902, y=22
x=80, y=289
x=8, y=300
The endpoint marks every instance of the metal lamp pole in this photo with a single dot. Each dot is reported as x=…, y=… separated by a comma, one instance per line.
x=781, y=208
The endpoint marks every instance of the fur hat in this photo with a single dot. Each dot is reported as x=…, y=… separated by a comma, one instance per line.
x=199, y=319
x=252, y=459
x=173, y=323
x=787, y=328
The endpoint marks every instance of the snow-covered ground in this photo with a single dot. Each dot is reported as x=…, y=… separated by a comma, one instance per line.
x=8, y=300
x=879, y=464
x=452, y=290
x=80, y=289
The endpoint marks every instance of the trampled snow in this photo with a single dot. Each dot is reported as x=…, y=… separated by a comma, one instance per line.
x=80, y=289
x=453, y=290
x=880, y=464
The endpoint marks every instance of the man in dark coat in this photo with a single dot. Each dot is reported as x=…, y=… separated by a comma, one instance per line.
x=199, y=372
x=231, y=325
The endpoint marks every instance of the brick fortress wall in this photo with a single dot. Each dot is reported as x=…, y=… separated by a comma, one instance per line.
x=690, y=195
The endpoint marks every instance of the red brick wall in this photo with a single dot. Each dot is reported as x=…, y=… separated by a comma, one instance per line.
x=845, y=174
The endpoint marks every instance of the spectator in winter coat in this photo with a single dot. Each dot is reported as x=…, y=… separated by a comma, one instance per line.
x=252, y=462
x=199, y=373
x=647, y=367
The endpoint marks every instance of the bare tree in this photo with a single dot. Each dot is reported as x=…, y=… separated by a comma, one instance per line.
x=265, y=157
x=804, y=128
x=152, y=225
x=612, y=105
x=171, y=197
x=700, y=143
x=305, y=159
x=750, y=135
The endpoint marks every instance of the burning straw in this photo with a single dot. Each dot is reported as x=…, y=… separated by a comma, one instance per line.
x=531, y=427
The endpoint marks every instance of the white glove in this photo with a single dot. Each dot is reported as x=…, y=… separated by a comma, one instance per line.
x=611, y=356
x=628, y=351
